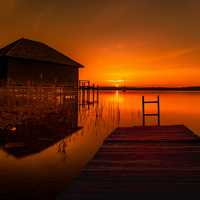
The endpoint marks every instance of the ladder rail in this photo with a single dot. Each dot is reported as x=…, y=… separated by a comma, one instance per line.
x=151, y=114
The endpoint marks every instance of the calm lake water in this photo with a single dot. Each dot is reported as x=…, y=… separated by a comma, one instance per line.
x=45, y=159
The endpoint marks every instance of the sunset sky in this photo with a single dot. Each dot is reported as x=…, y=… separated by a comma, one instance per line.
x=131, y=42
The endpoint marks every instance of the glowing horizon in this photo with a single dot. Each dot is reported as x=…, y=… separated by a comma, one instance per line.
x=142, y=43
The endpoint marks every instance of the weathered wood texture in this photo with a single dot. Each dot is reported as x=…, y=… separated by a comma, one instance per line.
x=141, y=160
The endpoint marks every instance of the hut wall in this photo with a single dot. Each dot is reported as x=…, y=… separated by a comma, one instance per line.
x=23, y=71
x=3, y=68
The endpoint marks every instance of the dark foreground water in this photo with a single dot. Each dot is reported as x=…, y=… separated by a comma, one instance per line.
x=53, y=141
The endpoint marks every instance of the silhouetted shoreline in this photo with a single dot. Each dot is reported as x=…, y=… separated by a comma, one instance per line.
x=196, y=88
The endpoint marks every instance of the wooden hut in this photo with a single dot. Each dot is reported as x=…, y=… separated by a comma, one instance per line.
x=27, y=61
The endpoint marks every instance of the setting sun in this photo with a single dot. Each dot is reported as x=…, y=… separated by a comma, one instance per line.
x=116, y=83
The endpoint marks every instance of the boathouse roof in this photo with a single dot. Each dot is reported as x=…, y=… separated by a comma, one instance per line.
x=38, y=51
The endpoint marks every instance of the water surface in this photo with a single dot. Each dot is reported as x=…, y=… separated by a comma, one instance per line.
x=43, y=163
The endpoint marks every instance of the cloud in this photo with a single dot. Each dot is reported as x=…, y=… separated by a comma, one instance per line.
x=176, y=53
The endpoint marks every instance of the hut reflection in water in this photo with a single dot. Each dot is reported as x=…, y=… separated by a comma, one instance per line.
x=31, y=123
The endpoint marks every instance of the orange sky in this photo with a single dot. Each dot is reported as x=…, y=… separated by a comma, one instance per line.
x=144, y=43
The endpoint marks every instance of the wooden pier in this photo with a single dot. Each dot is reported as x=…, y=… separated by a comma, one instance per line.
x=141, y=160
x=88, y=93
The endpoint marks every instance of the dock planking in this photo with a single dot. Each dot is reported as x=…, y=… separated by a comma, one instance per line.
x=141, y=160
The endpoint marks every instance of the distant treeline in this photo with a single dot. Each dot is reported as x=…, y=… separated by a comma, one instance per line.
x=196, y=88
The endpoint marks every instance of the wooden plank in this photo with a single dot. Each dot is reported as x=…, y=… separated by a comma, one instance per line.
x=151, y=101
x=138, y=160
x=151, y=114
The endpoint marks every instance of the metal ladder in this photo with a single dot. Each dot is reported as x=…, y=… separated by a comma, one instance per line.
x=144, y=115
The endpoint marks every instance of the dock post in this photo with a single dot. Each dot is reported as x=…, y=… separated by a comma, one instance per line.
x=143, y=115
x=97, y=94
x=83, y=93
x=93, y=98
x=158, y=111
x=88, y=93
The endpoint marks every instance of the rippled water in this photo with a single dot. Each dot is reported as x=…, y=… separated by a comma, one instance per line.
x=42, y=160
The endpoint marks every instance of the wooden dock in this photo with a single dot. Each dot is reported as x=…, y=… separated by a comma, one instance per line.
x=141, y=160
